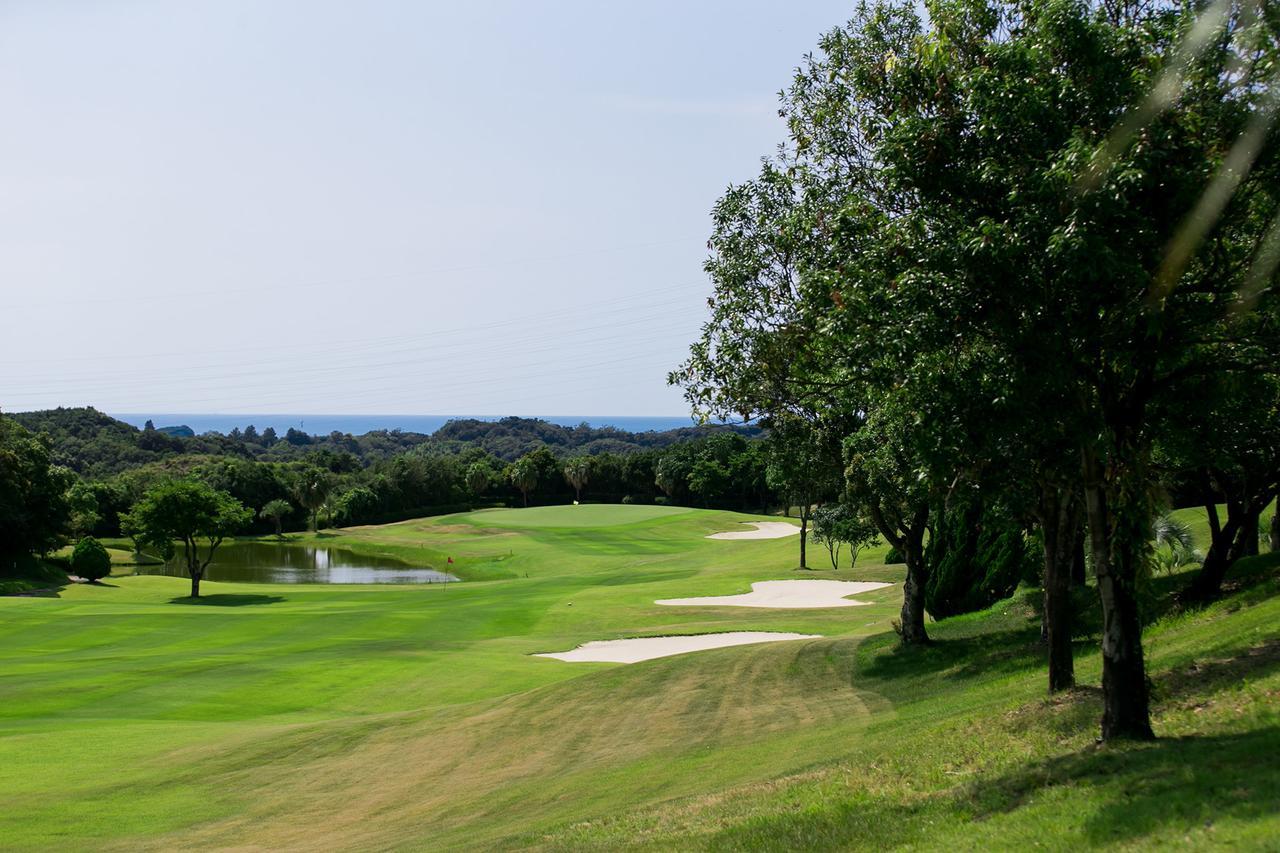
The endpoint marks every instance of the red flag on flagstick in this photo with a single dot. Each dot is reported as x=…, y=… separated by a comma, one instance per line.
x=451, y=561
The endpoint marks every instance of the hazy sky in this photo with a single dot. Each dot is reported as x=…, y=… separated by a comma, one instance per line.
x=372, y=207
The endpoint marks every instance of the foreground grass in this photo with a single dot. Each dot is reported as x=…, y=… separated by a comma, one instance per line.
x=974, y=757
x=412, y=717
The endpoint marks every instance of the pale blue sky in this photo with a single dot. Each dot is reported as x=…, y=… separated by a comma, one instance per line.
x=397, y=207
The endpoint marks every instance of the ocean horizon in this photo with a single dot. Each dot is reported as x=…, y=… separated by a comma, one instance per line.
x=361, y=424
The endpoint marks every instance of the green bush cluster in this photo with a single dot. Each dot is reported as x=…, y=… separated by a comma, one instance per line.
x=90, y=560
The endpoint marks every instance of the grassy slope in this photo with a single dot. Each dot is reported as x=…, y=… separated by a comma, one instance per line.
x=409, y=717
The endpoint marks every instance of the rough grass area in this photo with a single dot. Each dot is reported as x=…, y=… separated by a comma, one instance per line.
x=374, y=717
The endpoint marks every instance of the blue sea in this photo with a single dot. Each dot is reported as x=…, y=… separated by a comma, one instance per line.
x=360, y=424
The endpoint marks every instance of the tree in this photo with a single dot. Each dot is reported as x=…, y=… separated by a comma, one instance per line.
x=33, y=502
x=276, y=510
x=311, y=488
x=803, y=466
x=83, y=503
x=838, y=524
x=356, y=504
x=478, y=478
x=885, y=478
x=577, y=471
x=970, y=198
x=523, y=474
x=668, y=474
x=1087, y=249
x=1231, y=441
x=195, y=514
x=90, y=560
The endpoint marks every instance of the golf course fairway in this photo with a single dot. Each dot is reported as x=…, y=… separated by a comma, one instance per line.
x=418, y=717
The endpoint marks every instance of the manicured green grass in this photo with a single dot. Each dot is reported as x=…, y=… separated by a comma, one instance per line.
x=413, y=717
x=584, y=515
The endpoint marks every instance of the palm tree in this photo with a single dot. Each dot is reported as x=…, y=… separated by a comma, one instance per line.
x=276, y=510
x=1175, y=546
x=524, y=476
x=576, y=472
x=477, y=478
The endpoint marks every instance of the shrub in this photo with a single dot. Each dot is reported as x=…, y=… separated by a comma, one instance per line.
x=627, y=499
x=661, y=500
x=90, y=560
x=894, y=557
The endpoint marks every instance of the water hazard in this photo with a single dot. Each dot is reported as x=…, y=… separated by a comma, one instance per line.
x=260, y=562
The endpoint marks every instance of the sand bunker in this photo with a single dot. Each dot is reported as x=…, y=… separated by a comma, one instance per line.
x=791, y=595
x=647, y=648
x=763, y=530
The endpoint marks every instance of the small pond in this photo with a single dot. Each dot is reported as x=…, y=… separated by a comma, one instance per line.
x=261, y=562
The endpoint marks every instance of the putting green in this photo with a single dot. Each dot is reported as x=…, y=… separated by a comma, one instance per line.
x=583, y=515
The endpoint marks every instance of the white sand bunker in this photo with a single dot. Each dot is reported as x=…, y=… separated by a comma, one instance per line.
x=792, y=595
x=763, y=530
x=647, y=648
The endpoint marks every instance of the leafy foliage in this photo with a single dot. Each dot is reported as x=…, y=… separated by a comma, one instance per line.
x=33, y=502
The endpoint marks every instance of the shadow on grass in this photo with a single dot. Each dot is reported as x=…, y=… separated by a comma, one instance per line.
x=1179, y=784
x=963, y=657
x=1186, y=782
x=228, y=600
x=1203, y=676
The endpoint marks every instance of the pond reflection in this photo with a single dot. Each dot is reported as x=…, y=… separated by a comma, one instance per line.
x=261, y=562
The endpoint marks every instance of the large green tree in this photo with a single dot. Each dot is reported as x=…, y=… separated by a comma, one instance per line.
x=33, y=494
x=192, y=512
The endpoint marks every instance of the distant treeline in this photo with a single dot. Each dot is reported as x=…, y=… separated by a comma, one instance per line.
x=384, y=476
x=96, y=445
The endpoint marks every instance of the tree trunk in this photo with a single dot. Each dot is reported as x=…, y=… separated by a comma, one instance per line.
x=804, y=534
x=913, y=631
x=1079, y=569
x=1248, y=545
x=1207, y=583
x=195, y=584
x=279, y=528
x=1060, y=523
x=1126, y=702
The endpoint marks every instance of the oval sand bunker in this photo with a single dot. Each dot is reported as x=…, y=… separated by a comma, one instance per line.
x=763, y=530
x=647, y=648
x=787, y=595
